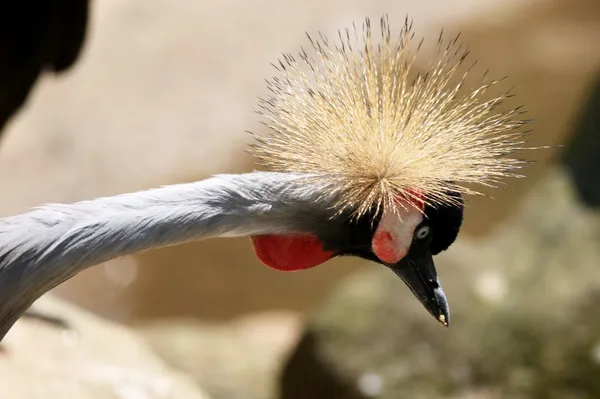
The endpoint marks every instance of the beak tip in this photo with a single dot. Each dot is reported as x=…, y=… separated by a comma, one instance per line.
x=421, y=278
x=444, y=321
x=442, y=305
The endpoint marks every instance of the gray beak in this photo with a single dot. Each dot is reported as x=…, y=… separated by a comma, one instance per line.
x=419, y=274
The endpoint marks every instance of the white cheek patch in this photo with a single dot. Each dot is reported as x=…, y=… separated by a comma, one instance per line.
x=394, y=234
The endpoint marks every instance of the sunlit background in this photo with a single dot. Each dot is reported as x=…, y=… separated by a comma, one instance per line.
x=163, y=92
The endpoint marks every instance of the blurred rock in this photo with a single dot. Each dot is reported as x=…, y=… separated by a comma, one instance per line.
x=233, y=360
x=94, y=359
x=582, y=160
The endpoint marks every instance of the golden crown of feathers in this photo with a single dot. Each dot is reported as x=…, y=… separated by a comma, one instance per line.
x=351, y=116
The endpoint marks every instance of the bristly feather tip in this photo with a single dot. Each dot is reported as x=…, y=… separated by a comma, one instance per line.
x=351, y=116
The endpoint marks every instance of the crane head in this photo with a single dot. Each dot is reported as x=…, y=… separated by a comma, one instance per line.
x=398, y=150
x=404, y=241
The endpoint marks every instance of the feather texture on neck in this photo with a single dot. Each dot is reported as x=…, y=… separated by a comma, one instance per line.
x=50, y=244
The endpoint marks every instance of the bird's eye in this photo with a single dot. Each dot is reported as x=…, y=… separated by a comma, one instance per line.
x=422, y=232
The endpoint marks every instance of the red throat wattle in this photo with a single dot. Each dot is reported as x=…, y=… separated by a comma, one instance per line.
x=290, y=253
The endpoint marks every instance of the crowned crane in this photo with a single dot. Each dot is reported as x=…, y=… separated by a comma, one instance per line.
x=362, y=160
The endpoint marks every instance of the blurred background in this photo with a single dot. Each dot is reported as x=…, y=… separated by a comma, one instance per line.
x=161, y=92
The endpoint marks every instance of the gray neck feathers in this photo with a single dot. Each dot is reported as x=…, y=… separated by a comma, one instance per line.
x=48, y=245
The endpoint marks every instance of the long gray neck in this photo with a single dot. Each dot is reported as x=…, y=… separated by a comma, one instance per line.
x=48, y=245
